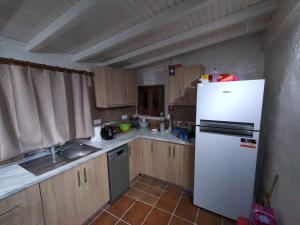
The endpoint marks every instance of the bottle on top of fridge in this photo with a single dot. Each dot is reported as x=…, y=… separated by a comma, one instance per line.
x=215, y=75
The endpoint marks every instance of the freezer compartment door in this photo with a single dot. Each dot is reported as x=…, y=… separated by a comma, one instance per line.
x=225, y=173
x=239, y=101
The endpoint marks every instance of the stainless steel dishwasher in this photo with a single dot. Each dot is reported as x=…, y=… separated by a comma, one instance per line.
x=118, y=168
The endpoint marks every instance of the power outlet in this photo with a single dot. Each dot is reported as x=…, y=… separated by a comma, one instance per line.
x=124, y=117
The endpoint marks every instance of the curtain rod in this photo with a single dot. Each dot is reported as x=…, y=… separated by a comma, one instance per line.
x=42, y=66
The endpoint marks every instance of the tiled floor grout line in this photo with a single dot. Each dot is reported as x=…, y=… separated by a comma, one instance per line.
x=163, y=190
x=120, y=219
x=160, y=189
x=197, y=216
x=139, y=200
x=157, y=188
x=137, y=189
x=94, y=219
x=160, y=208
x=111, y=214
x=154, y=205
x=173, y=213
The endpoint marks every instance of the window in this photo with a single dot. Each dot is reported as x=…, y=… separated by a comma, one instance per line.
x=151, y=100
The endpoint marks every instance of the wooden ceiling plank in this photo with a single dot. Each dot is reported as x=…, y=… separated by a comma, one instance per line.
x=72, y=16
x=230, y=20
x=210, y=41
x=155, y=22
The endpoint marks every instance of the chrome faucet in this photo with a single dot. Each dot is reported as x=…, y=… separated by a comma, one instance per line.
x=53, y=154
x=59, y=147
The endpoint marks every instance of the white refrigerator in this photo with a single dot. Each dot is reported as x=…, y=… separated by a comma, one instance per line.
x=227, y=136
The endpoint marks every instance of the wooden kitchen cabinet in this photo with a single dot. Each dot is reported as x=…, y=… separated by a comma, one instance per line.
x=148, y=157
x=96, y=185
x=114, y=87
x=22, y=208
x=163, y=167
x=167, y=161
x=134, y=159
x=131, y=89
x=183, y=86
x=116, y=91
x=176, y=87
x=182, y=164
x=73, y=196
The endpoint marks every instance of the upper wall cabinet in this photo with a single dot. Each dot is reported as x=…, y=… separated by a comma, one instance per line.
x=183, y=85
x=114, y=87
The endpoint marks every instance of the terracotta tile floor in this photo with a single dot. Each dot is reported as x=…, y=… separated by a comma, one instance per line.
x=150, y=201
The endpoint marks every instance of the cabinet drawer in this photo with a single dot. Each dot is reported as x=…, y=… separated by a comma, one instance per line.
x=24, y=208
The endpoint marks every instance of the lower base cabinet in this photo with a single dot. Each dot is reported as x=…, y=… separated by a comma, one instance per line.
x=182, y=164
x=134, y=159
x=71, y=197
x=167, y=161
x=22, y=208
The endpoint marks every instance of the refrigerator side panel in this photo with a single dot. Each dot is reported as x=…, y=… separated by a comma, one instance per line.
x=238, y=101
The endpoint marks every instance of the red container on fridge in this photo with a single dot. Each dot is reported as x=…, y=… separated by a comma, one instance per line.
x=227, y=77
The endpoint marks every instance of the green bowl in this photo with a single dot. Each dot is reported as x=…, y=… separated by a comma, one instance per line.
x=124, y=126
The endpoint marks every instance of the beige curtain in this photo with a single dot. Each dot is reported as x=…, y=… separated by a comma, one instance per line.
x=39, y=108
x=79, y=108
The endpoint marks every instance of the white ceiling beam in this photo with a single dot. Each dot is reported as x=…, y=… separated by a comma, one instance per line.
x=160, y=20
x=71, y=17
x=232, y=19
x=211, y=41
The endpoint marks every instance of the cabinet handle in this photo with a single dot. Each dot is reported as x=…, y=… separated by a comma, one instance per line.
x=85, y=176
x=129, y=150
x=78, y=178
x=174, y=152
x=9, y=210
x=151, y=147
x=169, y=151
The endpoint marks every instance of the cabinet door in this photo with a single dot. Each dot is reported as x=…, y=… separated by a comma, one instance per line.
x=183, y=165
x=101, y=85
x=163, y=161
x=116, y=87
x=148, y=156
x=134, y=159
x=62, y=198
x=131, y=90
x=191, y=75
x=176, y=89
x=24, y=207
x=96, y=185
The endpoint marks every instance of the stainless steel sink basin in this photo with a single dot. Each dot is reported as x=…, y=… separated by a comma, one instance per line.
x=46, y=163
x=43, y=164
x=77, y=152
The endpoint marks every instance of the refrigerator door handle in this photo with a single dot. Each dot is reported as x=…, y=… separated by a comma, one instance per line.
x=224, y=131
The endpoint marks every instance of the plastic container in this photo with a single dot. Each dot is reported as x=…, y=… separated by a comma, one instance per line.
x=124, y=126
x=262, y=216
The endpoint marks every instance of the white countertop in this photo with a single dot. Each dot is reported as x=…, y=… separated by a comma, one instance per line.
x=14, y=178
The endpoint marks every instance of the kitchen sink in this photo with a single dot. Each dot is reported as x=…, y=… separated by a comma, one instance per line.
x=46, y=163
x=77, y=152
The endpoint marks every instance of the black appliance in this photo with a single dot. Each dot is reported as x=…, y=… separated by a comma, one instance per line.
x=108, y=132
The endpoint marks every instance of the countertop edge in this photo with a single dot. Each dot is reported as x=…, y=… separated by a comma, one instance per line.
x=111, y=145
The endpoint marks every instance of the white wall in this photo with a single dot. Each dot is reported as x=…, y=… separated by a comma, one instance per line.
x=281, y=117
x=10, y=50
x=242, y=56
